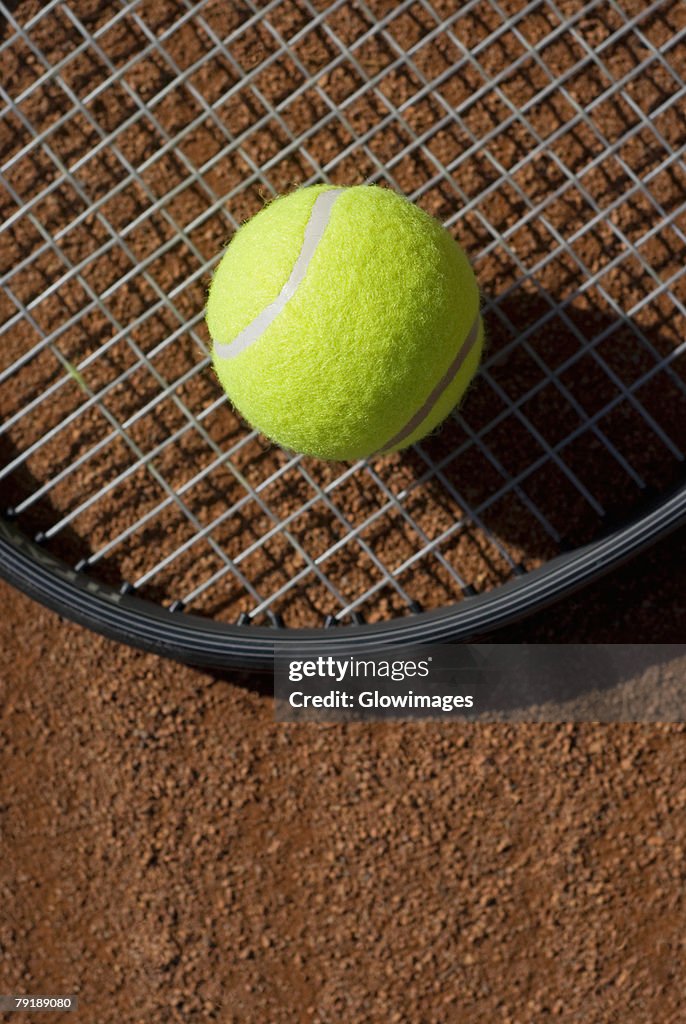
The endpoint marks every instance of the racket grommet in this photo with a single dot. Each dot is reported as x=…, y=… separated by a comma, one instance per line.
x=9, y=513
x=330, y=622
x=519, y=569
x=243, y=619
x=176, y=606
x=358, y=618
x=468, y=590
x=39, y=538
x=415, y=607
x=126, y=589
x=81, y=565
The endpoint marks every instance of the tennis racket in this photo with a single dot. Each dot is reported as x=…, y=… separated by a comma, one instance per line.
x=548, y=136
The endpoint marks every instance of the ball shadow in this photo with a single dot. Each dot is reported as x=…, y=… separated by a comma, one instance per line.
x=573, y=424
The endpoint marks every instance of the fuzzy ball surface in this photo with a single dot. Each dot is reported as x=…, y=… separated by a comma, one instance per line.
x=345, y=322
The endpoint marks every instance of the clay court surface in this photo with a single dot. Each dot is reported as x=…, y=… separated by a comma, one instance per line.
x=172, y=854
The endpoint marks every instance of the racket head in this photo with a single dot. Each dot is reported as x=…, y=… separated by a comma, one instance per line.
x=550, y=146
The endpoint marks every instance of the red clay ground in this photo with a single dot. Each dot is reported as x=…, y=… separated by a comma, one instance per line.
x=171, y=854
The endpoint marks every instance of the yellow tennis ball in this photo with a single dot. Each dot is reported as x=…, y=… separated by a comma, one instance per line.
x=345, y=322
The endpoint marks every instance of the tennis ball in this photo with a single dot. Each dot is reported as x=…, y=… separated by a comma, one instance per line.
x=345, y=322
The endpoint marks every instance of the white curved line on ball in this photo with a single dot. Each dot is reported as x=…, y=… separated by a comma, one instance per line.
x=314, y=230
x=445, y=382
